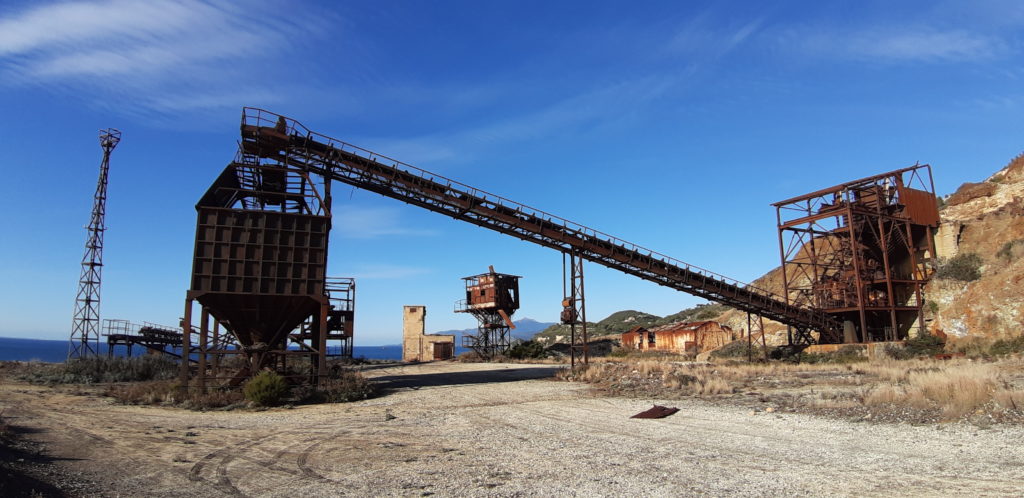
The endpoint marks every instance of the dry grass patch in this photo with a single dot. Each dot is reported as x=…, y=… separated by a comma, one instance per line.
x=920, y=390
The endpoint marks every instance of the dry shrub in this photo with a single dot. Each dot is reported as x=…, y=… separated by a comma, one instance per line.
x=102, y=369
x=972, y=346
x=650, y=367
x=842, y=400
x=170, y=393
x=888, y=394
x=227, y=398
x=957, y=389
x=145, y=393
x=970, y=191
x=1009, y=400
x=469, y=357
x=715, y=386
x=958, y=392
x=347, y=386
x=592, y=373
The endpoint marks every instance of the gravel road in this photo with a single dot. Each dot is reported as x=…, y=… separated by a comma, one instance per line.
x=453, y=429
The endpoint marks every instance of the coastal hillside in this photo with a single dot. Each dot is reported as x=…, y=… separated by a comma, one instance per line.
x=621, y=321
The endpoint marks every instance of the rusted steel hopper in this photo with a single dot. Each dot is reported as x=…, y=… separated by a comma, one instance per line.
x=261, y=257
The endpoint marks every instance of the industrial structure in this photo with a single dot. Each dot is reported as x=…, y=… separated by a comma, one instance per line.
x=262, y=231
x=681, y=337
x=417, y=344
x=862, y=252
x=259, y=268
x=85, y=324
x=157, y=339
x=492, y=298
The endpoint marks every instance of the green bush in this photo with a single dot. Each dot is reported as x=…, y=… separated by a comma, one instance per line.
x=922, y=345
x=102, y=369
x=347, y=386
x=266, y=389
x=965, y=267
x=527, y=350
x=1007, y=252
x=738, y=349
x=1007, y=346
x=845, y=354
x=933, y=307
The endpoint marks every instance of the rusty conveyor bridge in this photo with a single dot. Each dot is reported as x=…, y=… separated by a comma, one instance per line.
x=281, y=140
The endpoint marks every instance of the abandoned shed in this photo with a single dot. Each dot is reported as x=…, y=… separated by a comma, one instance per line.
x=679, y=337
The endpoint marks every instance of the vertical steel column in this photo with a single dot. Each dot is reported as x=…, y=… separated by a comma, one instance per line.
x=885, y=240
x=917, y=274
x=750, y=341
x=321, y=366
x=579, y=347
x=858, y=277
x=204, y=330
x=215, y=371
x=186, y=340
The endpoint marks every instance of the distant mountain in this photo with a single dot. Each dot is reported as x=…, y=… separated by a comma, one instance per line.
x=525, y=329
x=622, y=321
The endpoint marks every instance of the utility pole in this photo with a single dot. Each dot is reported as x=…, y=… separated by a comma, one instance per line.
x=85, y=326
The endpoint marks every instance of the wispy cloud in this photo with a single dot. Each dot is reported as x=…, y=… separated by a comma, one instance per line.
x=609, y=104
x=387, y=272
x=700, y=37
x=355, y=222
x=157, y=55
x=895, y=44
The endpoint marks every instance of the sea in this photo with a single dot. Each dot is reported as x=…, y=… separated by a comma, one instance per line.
x=17, y=349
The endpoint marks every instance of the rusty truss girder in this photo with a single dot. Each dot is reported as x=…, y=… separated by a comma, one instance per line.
x=294, y=145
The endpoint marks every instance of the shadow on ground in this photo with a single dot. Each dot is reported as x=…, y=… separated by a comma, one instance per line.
x=24, y=469
x=416, y=381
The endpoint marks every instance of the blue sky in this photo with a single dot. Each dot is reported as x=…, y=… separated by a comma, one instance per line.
x=670, y=124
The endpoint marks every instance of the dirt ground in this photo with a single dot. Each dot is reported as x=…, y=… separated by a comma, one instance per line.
x=493, y=430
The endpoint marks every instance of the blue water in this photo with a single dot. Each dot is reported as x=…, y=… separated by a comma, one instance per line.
x=15, y=349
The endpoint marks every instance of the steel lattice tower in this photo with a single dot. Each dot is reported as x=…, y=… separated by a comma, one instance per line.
x=85, y=327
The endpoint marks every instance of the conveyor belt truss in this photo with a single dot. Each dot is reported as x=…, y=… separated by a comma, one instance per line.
x=271, y=138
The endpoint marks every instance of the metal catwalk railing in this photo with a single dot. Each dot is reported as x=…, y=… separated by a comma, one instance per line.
x=295, y=145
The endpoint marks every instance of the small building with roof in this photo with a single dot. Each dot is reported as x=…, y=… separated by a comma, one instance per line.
x=679, y=337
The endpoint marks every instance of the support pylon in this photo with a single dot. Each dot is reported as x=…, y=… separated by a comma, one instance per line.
x=85, y=326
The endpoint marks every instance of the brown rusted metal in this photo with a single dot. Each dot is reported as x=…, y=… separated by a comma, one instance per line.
x=656, y=411
x=259, y=270
x=492, y=298
x=574, y=308
x=862, y=252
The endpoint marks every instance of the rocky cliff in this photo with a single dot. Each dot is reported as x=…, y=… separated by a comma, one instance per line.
x=986, y=219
